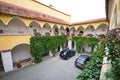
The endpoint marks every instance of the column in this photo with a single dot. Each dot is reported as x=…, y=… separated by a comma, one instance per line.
x=7, y=61
x=61, y=49
x=69, y=44
x=74, y=45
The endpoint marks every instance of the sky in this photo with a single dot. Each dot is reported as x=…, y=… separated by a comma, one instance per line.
x=80, y=10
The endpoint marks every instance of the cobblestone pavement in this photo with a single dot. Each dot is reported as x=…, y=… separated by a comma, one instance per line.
x=51, y=68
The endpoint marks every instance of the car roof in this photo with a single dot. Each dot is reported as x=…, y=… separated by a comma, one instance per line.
x=83, y=56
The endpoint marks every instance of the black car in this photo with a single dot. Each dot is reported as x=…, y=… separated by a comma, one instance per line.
x=81, y=61
x=66, y=54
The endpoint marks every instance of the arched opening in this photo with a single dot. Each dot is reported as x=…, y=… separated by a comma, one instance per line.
x=21, y=54
x=16, y=26
x=46, y=29
x=67, y=31
x=101, y=29
x=34, y=28
x=1, y=64
x=90, y=30
x=86, y=48
x=72, y=31
x=2, y=27
x=55, y=30
x=80, y=31
x=62, y=30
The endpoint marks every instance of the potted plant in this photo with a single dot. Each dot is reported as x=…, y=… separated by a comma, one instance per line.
x=47, y=34
x=37, y=34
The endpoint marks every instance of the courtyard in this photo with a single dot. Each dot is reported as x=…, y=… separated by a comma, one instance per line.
x=51, y=68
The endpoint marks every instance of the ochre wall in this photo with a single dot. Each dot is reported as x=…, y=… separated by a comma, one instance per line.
x=7, y=42
x=95, y=24
x=32, y=4
x=6, y=18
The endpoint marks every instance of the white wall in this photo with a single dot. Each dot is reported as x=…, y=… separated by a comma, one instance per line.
x=7, y=61
x=86, y=47
x=21, y=52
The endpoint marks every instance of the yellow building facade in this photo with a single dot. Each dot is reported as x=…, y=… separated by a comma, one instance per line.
x=19, y=20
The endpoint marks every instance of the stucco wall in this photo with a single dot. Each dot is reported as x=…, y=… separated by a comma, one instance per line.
x=32, y=4
x=20, y=52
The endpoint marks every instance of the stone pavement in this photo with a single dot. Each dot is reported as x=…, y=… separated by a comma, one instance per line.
x=52, y=68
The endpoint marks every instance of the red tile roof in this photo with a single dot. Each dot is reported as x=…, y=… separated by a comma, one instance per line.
x=8, y=8
x=89, y=21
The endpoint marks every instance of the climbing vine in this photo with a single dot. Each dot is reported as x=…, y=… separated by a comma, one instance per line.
x=93, y=68
x=43, y=44
x=92, y=42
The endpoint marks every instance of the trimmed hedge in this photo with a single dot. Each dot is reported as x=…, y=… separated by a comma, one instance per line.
x=43, y=44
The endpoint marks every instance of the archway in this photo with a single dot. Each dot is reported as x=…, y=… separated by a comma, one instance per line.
x=2, y=27
x=46, y=29
x=101, y=29
x=80, y=30
x=72, y=31
x=62, y=30
x=16, y=26
x=34, y=27
x=1, y=64
x=21, y=53
x=90, y=30
x=55, y=30
x=67, y=31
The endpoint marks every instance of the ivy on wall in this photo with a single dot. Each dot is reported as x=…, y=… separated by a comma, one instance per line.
x=93, y=68
x=92, y=42
x=44, y=44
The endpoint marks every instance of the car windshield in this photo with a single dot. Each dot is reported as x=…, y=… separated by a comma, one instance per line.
x=81, y=59
x=65, y=50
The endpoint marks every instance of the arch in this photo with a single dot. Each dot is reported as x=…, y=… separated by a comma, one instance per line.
x=2, y=27
x=16, y=26
x=79, y=30
x=34, y=27
x=55, y=29
x=89, y=30
x=72, y=31
x=21, y=52
x=46, y=29
x=62, y=30
x=101, y=29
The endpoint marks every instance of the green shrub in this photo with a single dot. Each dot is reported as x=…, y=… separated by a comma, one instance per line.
x=93, y=68
x=92, y=42
x=43, y=44
x=113, y=45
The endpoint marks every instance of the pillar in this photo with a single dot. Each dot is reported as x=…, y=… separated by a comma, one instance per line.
x=70, y=44
x=61, y=49
x=7, y=61
x=74, y=45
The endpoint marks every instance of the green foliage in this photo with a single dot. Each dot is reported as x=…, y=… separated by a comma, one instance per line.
x=62, y=40
x=93, y=68
x=113, y=45
x=114, y=73
x=92, y=42
x=42, y=45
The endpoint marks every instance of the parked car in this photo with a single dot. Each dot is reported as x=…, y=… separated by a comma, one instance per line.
x=81, y=61
x=66, y=54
